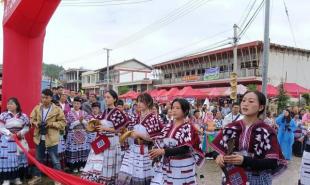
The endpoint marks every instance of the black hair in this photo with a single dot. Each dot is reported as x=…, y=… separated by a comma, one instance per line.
x=92, y=94
x=146, y=99
x=18, y=107
x=54, y=88
x=78, y=99
x=185, y=106
x=96, y=104
x=156, y=106
x=56, y=102
x=113, y=94
x=261, y=100
x=195, y=111
x=287, y=119
x=120, y=102
x=47, y=92
x=60, y=87
x=237, y=103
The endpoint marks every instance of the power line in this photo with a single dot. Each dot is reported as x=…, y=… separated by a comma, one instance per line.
x=169, y=18
x=188, y=45
x=85, y=56
x=247, y=15
x=251, y=20
x=290, y=24
x=97, y=4
x=204, y=49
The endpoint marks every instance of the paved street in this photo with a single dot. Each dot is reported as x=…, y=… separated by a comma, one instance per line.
x=212, y=174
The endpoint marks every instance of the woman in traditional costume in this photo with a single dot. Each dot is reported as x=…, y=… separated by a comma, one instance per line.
x=95, y=115
x=286, y=129
x=13, y=162
x=77, y=146
x=178, y=145
x=104, y=160
x=248, y=149
x=136, y=166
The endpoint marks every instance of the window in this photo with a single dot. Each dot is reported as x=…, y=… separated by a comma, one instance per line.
x=248, y=64
x=254, y=63
x=223, y=68
x=187, y=73
x=168, y=76
x=193, y=72
x=242, y=65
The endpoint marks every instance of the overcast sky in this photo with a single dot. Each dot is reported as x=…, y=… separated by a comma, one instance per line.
x=76, y=35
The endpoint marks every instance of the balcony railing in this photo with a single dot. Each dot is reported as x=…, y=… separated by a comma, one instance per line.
x=103, y=81
x=224, y=75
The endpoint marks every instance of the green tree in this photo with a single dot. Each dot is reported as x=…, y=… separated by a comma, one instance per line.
x=123, y=89
x=307, y=98
x=283, y=99
x=252, y=87
x=52, y=70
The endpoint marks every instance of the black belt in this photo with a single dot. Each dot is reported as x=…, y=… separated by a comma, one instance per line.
x=142, y=142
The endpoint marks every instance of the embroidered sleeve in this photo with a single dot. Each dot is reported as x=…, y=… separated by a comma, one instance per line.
x=3, y=130
x=220, y=143
x=118, y=118
x=25, y=129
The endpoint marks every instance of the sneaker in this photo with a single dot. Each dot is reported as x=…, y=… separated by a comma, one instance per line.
x=17, y=181
x=6, y=182
x=81, y=169
x=75, y=170
x=34, y=180
x=57, y=183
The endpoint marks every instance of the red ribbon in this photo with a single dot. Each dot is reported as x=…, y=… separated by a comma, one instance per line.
x=59, y=176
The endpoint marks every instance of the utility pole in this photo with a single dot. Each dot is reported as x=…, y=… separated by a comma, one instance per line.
x=235, y=39
x=77, y=81
x=234, y=74
x=266, y=48
x=108, y=66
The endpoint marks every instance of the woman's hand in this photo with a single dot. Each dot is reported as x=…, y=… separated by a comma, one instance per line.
x=220, y=160
x=156, y=152
x=234, y=159
x=81, y=119
x=100, y=128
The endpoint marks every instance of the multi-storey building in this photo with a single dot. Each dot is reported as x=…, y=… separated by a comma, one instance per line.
x=72, y=78
x=130, y=73
x=212, y=69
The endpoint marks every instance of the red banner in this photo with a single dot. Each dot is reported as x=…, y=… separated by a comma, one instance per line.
x=56, y=175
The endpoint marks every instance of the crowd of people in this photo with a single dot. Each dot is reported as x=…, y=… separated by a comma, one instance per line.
x=148, y=143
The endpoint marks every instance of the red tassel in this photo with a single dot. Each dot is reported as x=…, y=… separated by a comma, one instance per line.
x=142, y=149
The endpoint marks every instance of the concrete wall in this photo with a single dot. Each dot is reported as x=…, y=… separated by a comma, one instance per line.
x=289, y=66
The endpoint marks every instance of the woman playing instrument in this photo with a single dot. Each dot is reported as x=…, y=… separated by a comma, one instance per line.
x=104, y=160
x=179, y=147
x=136, y=167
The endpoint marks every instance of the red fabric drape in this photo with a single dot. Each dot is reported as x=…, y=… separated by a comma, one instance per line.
x=56, y=175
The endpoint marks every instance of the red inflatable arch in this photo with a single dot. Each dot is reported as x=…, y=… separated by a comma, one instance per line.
x=24, y=23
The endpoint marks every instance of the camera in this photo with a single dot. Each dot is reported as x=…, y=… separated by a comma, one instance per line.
x=43, y=129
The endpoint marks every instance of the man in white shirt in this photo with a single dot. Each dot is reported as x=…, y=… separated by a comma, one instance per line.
x=234, y=115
